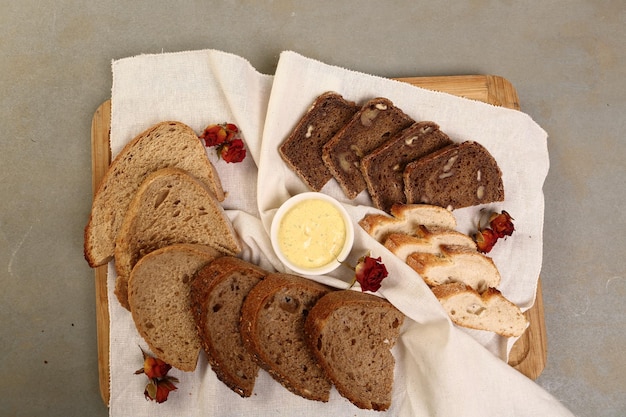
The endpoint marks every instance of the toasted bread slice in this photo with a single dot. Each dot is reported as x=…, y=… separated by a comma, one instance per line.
x=376, y=122
x=407, y=218
x=302, y=150
x=217, y=294
x=158, y=296
x=272, y=328
x=165, y=144
x=489, y=311
x=426, y=240
x=456, y=264
x=170, y=207
x=383, y=168
x=459, y=175
x=351, y=333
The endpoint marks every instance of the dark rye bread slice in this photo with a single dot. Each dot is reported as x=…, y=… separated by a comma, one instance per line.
x=302, y=150
x=217, y=294
x=351, y=333
x=376, y=122
x=459, y=175
x=272, y=328
x=383, y=168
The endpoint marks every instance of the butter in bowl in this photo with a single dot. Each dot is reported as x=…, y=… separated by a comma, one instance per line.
x=312, y=233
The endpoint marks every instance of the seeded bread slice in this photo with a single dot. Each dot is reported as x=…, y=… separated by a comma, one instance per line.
x=489, y=311
x=272, y=329
x=170, y=207
x=459, y=175
x=456, y=264
x=376, y=122
x=426, y=240
x=407, y=219
x=217, y=294
x=165, y=144
x=383, y=168
x=158, y=296
x=351, y=333
x=302, y=150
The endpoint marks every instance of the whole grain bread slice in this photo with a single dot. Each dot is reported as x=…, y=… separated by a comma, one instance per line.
x=165, y=144
x=489, y=311
x=383, y=168
x=407, y=219
x=456, y=264
x=159, y=300
x=376, y=122
x=302, y=149
x=217, y=294
x=170, y=207
x=351, y=333
x=459, y=175
x=272, y=329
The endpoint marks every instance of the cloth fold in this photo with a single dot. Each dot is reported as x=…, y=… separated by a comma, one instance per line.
x=440, y=369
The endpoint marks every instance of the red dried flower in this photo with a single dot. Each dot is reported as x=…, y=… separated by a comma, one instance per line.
x=485, y=239
x=370, y=272
x=232, y=151
x=502, y=224
x=215, y=135
x=153, y=367
x=159, y=389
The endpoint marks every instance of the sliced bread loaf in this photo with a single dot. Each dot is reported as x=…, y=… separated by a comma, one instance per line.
x=165, y=144
x=489, y=311
x=407, y=218
x=302, y=150
x=456, y=264
x=272, y=328
x=426, y=240
x=170, y=207
x=457, y=176
x=376, y=122
x=383, y=168
x=158, y=296
x=217, y=294
x=351, y=334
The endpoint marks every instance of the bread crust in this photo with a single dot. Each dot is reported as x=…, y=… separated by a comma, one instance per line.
x=285, y=287
x=207, y=281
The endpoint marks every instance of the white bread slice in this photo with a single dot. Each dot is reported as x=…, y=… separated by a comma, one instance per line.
x=170, y=207
x=426, y=240
x=164, y=144
x=217, y=294
x=406, y=218
x=159, y=300
x=272, y=329
x=351, y=333
x=490, y=311
x=456, y=264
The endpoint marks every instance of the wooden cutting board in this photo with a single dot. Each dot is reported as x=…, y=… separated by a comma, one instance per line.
x=529, y=353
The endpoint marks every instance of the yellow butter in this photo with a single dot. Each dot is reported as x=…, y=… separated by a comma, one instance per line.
x=312, y=233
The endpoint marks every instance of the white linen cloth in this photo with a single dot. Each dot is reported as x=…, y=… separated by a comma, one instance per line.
x=440, y=369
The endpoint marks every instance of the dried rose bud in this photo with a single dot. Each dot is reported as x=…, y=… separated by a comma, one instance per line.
x=153, y=367
x=232, y=151
x=370, y=273
x=502, y=224
x=485, y=239
x=159, y=389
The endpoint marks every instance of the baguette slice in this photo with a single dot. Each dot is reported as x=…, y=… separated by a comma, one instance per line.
x=459, y=175
x=302, y=150
x=170, y=207
x=426, y=240
x=383, y=168
x=217, y=294
x=158, y=296
x=407, y=218
x=490, y=311
x=456, y=264
x=165, y=144
x=351, y=334
x=376, y=122
x=272, y=328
